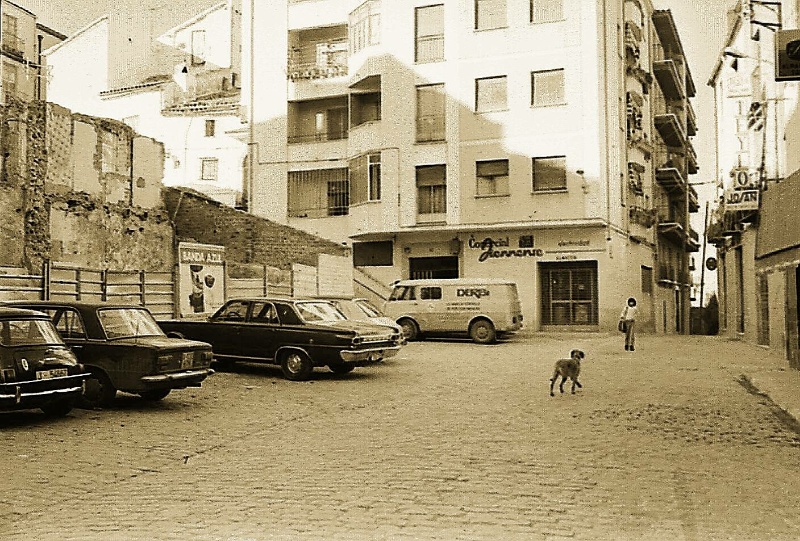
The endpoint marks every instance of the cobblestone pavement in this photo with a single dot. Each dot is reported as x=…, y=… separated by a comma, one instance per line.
x=449, y=440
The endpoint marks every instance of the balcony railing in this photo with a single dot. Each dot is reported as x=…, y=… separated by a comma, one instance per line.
x=317, y=137
x=318, y=60
x=204, y=86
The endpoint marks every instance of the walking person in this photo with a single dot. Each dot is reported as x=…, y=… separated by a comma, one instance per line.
x=628, y=318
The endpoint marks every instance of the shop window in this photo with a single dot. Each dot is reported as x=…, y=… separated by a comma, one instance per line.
x=491, y=94
x=373, y=254
x=550, y=174
x=569, y=293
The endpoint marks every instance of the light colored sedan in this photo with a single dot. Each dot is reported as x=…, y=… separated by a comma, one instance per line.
x=362, y=310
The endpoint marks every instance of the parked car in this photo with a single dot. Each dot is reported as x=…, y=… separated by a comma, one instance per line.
x=481, y=307
x=37, y=370
x=359, y=309
x=124, y=349
x=297, y=334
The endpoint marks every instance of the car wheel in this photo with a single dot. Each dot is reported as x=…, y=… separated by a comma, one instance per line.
x=99, y=391
x=59, y=408
x=482, y=332
x=296, y=366
x=409, y=328
x=156, y=394
x=341, y=368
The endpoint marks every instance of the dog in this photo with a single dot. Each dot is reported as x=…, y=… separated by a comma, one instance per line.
x=568, y=368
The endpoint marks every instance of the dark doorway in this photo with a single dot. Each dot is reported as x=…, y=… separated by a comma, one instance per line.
x=569, y=293
x=740, y=287
x=433, y=267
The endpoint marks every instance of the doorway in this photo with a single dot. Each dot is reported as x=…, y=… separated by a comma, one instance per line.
x=569, y=293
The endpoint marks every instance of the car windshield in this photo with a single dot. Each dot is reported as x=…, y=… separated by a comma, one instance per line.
x=28, y=332
x=128, y=323
x=319, y=311
x=368, y=309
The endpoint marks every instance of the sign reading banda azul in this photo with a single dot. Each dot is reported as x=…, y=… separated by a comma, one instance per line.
x=202, y=254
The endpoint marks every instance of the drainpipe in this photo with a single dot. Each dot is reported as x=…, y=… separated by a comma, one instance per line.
x=606, y=129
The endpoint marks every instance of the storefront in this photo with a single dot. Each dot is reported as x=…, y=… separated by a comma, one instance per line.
x=569, y=278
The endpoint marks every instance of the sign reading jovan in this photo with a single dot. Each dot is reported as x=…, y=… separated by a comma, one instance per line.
x=201, y=284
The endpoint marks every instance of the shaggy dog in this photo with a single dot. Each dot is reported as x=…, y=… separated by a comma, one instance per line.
x=568, y=368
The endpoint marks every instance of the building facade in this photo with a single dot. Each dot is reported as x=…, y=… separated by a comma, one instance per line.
x=189, y=99
x=545, y=142
x=22, y=41
x=753, y=227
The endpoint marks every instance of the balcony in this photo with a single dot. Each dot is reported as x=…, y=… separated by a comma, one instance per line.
x=668, y=274
x=208, y=91
x=669, y=169
x=670, y=47
x=694, y=204
x=691, y=120
x=13, y=45
x=642, y=216
x=318, y=53
x=668, y=123
x=693, y=241
x=668, y=76
x=318, y=121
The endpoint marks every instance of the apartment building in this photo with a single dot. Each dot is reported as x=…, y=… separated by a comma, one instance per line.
x=543, y=141
x=758, y=178
x=187, y=95
x=22, y=40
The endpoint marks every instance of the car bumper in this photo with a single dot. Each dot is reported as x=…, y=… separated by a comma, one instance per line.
x=371, y=355
x=32, y=394
x=187, y=378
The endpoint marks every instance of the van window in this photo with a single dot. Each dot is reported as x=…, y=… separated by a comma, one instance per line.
x=426, y=293
x=403, y=293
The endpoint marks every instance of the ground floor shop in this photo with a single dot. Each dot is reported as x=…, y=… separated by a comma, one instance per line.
x=569, y=278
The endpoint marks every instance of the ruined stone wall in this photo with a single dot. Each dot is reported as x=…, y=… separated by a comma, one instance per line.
x=80, y=190
x=247, y=238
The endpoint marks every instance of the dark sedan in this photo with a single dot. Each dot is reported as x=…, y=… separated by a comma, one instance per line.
x=124, y=349
x=37, y=370
x=297, y=334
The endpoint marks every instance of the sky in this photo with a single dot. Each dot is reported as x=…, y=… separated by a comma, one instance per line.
x=701, y=24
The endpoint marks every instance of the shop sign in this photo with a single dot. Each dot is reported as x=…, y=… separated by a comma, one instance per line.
x=499, y=248
x=787, y=55
x=201, y=284
x=737, y=199
x=711, y=263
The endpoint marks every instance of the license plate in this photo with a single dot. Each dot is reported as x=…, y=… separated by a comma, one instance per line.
x=50, y=374
x=186, y=359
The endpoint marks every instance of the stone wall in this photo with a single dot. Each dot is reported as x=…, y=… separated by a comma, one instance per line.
x=247, y=238
x=80, y=190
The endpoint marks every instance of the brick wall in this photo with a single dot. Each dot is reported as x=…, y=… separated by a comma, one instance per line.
x=247, y=238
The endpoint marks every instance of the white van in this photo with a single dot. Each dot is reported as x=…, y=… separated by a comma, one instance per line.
x=483, y=308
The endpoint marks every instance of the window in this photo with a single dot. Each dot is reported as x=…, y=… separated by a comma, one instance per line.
x=9, y=80
x=198, y=47
x=490, y=14
x=70, y=325
x=430, y=113
x=211, y=128
x=11, y=41
x=264, y=312
x=208, y=168
x=373, y=254
x=430, y=293
x=365, y=26
x=365, y=108
x=338, y=197
x=647, y=280
x=431, y=189
x=491, y=94
x=547, y=11
x=365, y=178
x=318, y=193
x=403, y=293
x=287, y=315
x=492, y=177
x=429, y=34
x=549, y=173
x=547, y=88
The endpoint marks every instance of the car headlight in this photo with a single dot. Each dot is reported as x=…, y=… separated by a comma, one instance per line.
x=357, y=340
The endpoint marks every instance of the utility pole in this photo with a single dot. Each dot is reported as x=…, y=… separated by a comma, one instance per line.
x=703, y=262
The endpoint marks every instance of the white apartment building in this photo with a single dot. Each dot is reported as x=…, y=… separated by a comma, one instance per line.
x=543, y=141
x=187, y=95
